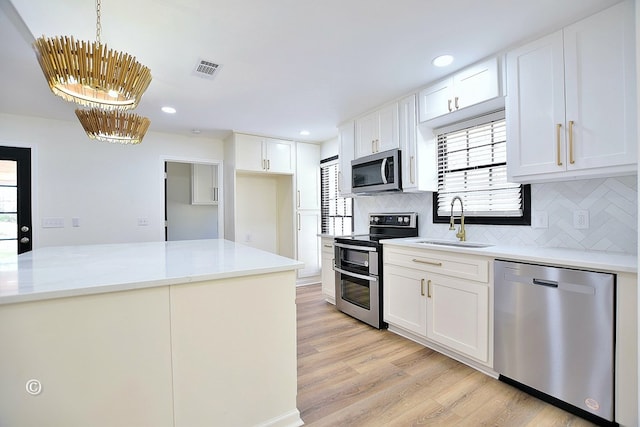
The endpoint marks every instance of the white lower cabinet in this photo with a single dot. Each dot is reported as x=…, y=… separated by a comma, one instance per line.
x=404, y=302
x=328, y=275
x=308, y=243
x=458, y=315
x=441, y=298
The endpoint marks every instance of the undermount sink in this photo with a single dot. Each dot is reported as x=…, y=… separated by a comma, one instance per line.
x=454, y=243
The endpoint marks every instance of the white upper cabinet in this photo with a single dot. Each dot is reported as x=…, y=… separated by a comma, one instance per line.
x=377, y=131
x=418, y=155
x=571, y=101
x=346, y=149
x=204, y=184
x=258, y=154
x=471, y=86
x=307, y=176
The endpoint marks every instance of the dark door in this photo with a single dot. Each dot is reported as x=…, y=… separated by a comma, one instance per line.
x=15, y=200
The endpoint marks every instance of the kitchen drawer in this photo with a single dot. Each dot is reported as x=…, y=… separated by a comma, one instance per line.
x=462, y=266
x=327, y=245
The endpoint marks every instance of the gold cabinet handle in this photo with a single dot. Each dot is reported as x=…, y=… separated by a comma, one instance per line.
x=268, y=164
x=428, y=288
x=298, y=198
x=412, y=169
x=449, y=105
x=422, y=287
x=299, y=223
x=558, y=154
x=571, y=159
x=456, y=103
x=437, y=264
x=328, y=246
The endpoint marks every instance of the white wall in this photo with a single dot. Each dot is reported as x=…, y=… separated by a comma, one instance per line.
x=107, y=186
x=329, y=148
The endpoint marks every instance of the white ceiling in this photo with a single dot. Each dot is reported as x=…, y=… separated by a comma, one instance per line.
x=287, y=65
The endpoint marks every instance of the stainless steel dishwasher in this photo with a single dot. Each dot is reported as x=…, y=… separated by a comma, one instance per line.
x=554, y=332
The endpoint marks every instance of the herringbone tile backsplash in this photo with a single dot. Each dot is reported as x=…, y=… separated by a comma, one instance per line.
x=612, y=204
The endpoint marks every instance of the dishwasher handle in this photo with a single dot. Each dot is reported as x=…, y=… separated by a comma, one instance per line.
x=548, y=283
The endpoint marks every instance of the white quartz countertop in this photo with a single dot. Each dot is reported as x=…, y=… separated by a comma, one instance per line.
x=64, y=271
x=590, y=260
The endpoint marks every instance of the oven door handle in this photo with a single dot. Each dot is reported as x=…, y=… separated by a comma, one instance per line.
x=357, y=276
x=356, y=248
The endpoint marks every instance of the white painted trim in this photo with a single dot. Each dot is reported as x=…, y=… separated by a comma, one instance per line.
x=288, y=419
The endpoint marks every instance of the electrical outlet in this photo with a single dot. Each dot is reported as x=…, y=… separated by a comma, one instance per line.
x=143, y=221
x=52, y=222
x=540, y=219
x=581, y=219
x=75, y=222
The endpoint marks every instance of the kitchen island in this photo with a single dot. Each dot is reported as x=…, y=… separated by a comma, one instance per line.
x=187, y=333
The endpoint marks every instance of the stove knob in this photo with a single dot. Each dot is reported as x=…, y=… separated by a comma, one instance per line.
x=406, y=219
x=376, y=219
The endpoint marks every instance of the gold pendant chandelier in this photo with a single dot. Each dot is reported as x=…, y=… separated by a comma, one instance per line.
x=90, y=74
x=113, y=126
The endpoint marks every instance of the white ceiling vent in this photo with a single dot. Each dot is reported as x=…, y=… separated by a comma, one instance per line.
x=206, y=69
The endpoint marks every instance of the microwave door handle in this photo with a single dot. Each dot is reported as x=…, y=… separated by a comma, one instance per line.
x=383, y=170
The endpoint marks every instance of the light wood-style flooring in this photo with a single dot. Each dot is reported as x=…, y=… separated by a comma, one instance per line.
x=350, y=374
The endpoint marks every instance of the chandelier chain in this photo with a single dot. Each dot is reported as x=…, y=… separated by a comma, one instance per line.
x=98, y=23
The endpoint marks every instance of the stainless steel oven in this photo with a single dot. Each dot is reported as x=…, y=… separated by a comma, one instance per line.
x=358, y=292
x=358, y=266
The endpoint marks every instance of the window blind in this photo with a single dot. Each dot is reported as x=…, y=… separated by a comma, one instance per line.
x=472, y=164
x=336, y=212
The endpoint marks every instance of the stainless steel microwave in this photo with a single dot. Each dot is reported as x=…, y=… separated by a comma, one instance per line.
x=377, y=172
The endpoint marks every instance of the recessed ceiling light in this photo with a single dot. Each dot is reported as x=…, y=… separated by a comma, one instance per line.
x=305, y=133
x=442, y=60
x=169, y=110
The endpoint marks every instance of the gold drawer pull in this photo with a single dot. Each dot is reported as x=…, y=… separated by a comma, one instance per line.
x=571, y=159
x=422, y=287
x=558, y=127
x=328, y=246
x=429, y=289
x=437, y=264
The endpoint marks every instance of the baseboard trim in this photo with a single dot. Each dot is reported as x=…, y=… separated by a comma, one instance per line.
x=289, y=419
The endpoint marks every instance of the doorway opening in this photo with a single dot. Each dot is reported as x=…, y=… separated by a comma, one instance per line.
x=15, y=201
x=193, y=201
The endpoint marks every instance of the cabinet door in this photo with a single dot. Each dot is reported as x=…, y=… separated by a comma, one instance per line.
x=436, y=100
x=249, y=154
x=346, y=146
x=279, y=156
x=388, y=137
x=404, y=300
x=328, y=275
x=307, y=176
x=600, y=89
x=535, y=108
x=408, y=142
x=366, y=135
x=476, y=84
x=308, y=243
x=204, y=187
x=458, y=315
